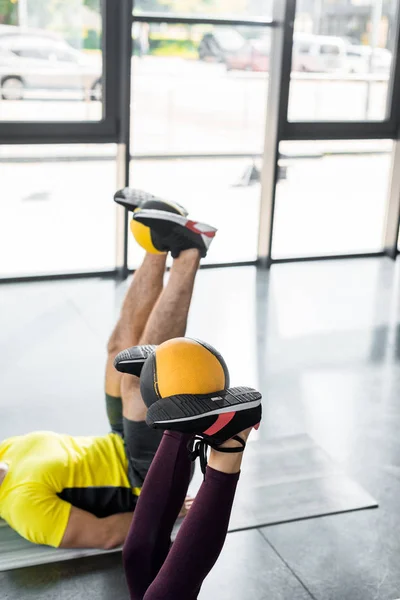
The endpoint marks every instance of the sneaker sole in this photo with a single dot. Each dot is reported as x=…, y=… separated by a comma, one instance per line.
x=136, y=356
x=138, y=198
x=189, y=407
x=160, y=215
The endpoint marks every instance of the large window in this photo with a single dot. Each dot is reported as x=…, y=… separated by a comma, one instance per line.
x=51, y=64
x=199, y=96
x=56, y=211
x=189, y=104
x=199, y=89
x=342, y=60
x=332, y=199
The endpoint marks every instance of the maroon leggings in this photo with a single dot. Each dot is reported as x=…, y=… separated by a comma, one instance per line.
x=154, y=569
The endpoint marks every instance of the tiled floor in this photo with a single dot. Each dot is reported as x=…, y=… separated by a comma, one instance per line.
x=321, y=340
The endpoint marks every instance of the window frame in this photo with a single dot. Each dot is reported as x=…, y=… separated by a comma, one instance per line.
x=339, y=130
x=279, y=128
x=107, y=130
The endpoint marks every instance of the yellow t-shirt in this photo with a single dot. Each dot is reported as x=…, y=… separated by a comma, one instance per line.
x=49, y=472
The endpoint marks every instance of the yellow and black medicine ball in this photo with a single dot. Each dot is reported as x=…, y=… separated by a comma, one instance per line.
x=145, y=237
x=183, y=366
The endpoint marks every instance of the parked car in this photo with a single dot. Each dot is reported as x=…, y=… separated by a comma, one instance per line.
x=216, y=45
x=37, y=59
x=382, y=60
x=311, y=53
x=359, y=59
x=253, y=56
x=318, y=53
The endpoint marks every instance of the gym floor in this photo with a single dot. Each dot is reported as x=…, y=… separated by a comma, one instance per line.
x=320, y=340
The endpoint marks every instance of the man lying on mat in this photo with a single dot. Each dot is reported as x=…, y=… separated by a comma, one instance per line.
x=80, y=492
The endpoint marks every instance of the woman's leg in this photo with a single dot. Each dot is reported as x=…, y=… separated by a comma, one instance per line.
x=202, y=534
x=159, y=504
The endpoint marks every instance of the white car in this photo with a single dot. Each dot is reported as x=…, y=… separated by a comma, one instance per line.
x=359, y=60
x=318, y=53
x=39, y=60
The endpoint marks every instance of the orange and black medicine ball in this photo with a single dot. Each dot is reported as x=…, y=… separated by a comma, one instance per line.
x=183, y=366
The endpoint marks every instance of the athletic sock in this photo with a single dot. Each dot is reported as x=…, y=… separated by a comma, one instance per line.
x=114, y=413
x=158, y=507
x=199, y=541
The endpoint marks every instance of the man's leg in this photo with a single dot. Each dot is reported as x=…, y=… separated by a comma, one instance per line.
x=140, y=299
x=146, y=287
x=167, y=320
x=164, y=226
x=169, y=317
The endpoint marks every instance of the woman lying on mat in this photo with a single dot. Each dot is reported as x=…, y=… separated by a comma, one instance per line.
x=221, y=420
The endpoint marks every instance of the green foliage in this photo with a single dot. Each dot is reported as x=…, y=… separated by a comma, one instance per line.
x=92, y=40
x=93, y=4
x=8, y=12
x=176, y=52
x=173, y=47
x=58, y=15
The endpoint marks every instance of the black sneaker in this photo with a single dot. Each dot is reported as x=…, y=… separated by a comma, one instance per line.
x=217, y=417
x=212, y=418
x=131, y=361
x=172, y=232
x=133, y=199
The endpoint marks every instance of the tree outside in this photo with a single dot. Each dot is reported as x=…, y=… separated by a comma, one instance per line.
x=78, y=21
x=8, y=12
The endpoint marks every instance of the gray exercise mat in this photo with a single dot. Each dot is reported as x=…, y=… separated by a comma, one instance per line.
x=15, y=552
x=283, y=479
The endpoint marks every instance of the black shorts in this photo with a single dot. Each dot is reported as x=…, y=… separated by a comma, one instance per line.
x=140, y=441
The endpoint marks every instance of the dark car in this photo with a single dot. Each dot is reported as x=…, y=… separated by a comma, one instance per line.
x=217, y=45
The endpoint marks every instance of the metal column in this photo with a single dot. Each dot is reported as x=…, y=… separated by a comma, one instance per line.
x=392, y=221
x=125, y=8
x=277, y=106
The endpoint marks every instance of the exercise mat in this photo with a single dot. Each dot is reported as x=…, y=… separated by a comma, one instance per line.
x=16, y=552
x=283, y=479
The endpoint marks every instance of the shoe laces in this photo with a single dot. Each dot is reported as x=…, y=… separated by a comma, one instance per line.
x=198, y=448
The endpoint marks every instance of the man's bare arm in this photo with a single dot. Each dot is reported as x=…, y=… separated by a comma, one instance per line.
x=84, y=530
